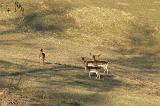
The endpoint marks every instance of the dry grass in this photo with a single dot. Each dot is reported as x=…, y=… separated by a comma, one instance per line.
x=67, y=31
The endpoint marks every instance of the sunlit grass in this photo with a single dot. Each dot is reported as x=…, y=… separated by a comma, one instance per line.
x=124, y=32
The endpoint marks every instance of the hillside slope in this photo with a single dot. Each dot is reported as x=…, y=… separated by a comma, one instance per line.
x=124, y=32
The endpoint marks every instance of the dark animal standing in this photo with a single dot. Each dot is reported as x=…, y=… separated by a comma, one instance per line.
x=19, y=6
x=42, y=56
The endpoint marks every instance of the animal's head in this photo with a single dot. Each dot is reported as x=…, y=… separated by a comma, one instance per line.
x=41, y=50
x=94, y=56
x=83, y=59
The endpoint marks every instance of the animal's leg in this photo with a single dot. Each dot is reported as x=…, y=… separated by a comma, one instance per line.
x=43, y=61
x=85, y=68
x=104, y=70
x=15, y=8
x=89, y=75
x=22, y=10
x=107, y=70
x=40, y=60
x=96, y=75
x=99, y=76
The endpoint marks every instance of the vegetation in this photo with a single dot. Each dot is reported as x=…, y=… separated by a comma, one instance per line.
x=125, y=32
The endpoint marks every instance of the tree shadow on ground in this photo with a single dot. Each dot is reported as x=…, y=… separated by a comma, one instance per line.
x=58, y=23
x=62, y=70
x=73, y=76
x=54, y=20
x=63, y=98
x=60, y=67
x=6, y=65
x=11, y=31
x=145, y=63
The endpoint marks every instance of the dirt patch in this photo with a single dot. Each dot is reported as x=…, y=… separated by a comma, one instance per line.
x=10, y=99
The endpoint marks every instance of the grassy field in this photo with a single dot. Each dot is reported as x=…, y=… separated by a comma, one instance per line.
x=124, y=32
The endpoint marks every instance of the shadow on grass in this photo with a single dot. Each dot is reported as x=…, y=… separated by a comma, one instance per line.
x=11, y=31
x=141, y=62
x=56, y=24
x=6, y=66
x=73, y=76
x=9, y=84
x=8, y=42
x=3, y=62
x=63, y=70
x=69, y=99
x=59, y=67
x=144, y=68
x=53, y=20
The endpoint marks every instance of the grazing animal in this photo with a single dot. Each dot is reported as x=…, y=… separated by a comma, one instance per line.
x=95, y=63
x=95, y=70
x=91, y=67
x=103, y=64
x=42, y=56
x=87, y=63
x=105, y=67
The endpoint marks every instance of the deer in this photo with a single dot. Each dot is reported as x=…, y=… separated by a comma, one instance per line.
x=87, y=63
x=22, y=10
x=94, y=70
x=19, y=6
x=100, y=63
x=42, y=56
x=96, y=63
x=91, y=67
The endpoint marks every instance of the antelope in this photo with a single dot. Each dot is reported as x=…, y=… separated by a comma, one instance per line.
x=95, y=70
x=16, y=3
x=22, y=10
x=96, y=63
x=103, y=64
x=91, y=67
x=42, y=56
x=19, y=6
x=87, y=63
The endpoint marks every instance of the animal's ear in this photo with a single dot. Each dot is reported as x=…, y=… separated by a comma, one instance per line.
x=82, y=58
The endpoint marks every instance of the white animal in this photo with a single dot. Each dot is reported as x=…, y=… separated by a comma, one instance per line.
x=98, y=75
x=96, y=63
